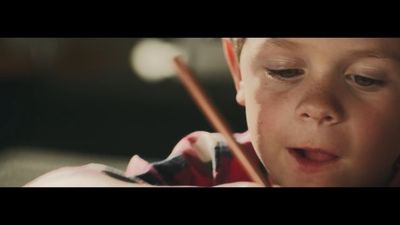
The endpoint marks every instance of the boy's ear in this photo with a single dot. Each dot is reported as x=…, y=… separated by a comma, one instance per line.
x=233, y=64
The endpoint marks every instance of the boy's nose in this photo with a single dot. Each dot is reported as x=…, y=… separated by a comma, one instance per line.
x=319, y=108
x=319, y=116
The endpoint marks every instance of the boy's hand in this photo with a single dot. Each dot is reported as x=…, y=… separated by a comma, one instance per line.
x=97, y=175
x=90, y=175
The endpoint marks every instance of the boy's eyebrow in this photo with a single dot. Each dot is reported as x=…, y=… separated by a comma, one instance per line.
x=381, y=54
x=280, y=42
x=364, y=53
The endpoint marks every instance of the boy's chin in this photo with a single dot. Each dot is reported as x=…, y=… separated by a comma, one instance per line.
x=328, y=183
x=313, y=182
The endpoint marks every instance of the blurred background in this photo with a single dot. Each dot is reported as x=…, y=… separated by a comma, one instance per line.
x=72, y=101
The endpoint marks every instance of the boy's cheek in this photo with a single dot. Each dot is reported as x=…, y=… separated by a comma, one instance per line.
x=267, y=114
x=265, y=125
x=375, y=146
x=380, y=131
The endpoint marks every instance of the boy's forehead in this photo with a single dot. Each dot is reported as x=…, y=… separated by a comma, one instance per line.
x=375, y=47
x=298, y=42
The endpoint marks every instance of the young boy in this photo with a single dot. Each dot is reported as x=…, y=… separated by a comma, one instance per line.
x=320, y=112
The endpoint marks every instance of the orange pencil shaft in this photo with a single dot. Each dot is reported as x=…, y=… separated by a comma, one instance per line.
x=217, y=121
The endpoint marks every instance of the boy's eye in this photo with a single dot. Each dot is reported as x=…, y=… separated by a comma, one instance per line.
x=285, y=73
x=364, y=81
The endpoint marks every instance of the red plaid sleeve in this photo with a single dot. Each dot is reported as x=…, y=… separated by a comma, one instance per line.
x=199, y=159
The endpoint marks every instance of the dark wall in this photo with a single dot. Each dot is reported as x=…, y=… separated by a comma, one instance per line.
x=105, y=111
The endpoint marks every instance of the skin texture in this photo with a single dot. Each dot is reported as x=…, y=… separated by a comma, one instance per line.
x=336, y=94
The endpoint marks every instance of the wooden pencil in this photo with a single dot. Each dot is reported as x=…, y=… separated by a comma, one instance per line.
x=217, y=121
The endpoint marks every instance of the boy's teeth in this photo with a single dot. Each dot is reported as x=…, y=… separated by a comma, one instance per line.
x=318, y=156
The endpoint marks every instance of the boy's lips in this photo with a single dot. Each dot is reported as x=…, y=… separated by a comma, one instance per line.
x=312, y=159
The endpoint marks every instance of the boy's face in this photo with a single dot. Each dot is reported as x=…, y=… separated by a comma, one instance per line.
x=323, y=111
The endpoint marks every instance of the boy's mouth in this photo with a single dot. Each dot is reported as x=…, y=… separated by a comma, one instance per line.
x=312, y=159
